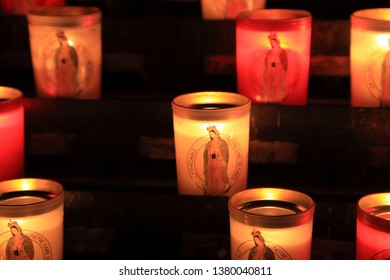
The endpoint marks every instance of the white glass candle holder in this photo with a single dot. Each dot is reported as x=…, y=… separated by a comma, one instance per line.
x=271, y=224
x=21, y=7
x=66, y=51
x=373, y=227
x=228, y=9
x=370, y=58
x=273, y=55
x=211, y=131
x=31, y=219
x=11, y=134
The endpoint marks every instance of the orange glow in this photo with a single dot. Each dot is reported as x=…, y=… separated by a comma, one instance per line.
x=25, y=185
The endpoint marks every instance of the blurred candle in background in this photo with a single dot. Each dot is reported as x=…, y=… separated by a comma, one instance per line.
x=273, y=55
x=21, y=7
x=370, y=58
x=11, y=134
x=66, y=51
x=271, y=224
x=31, y=219
x=211, y=131
x=228, y=9
x=373, y=227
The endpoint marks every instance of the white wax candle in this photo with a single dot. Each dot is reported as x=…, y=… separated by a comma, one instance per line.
x=44, y=232
x=66, y=51
x=211, y=131
x=292, y=243
x=191, y=139
x=270, y=224
x=31, y=219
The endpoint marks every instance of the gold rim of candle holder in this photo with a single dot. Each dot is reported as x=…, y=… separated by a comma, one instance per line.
x=237, y=105
x=11, y=99
x=284, y=19
x=65, y=16
x=376, y=19
x=17, y=197
x=303, y=203
x=372, y=201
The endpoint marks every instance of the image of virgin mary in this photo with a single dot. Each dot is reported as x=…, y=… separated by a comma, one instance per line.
x=260, y=251
x=66, y=63
x=275, y=71
x=216, y=159
x=19, y=246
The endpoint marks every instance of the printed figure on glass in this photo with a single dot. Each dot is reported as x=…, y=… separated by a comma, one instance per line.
x=67, y=66
x=22, y=244
x=275, y=70
x=377, y=73
x=259, y=249
x=215, y=162
x=19, y=246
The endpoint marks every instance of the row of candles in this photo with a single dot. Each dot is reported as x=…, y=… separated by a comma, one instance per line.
x=272, y=54
x=211, y=133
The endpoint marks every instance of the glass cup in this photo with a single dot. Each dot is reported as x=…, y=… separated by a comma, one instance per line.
x=273, y=55
x=31, y=219
x=271, y=224
x=370, y=58
x=228, y=9
x=66, y=51
x=373, y=227
x=12, y=134
x=211, y=131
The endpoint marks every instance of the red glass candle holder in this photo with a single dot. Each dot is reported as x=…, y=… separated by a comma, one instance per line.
x=273, y=55
x=12, y=134
x=373, y=227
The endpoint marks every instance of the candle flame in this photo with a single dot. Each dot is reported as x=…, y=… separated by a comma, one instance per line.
x=25, y=185
x=387, y=198
x=70, y=42
x=382, y=40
